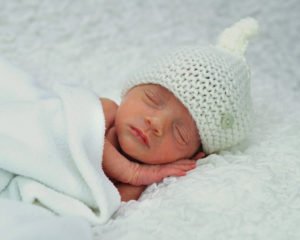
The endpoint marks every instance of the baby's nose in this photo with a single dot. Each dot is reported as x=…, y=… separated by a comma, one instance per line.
x=156, y=125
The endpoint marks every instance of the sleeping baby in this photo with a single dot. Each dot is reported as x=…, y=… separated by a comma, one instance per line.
x=194, y=102
x=155, y=132
x=74, y=154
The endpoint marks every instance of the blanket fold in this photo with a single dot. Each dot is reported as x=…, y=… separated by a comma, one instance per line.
x=51, y=145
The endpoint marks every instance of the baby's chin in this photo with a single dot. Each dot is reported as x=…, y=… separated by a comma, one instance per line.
x=131, y=157
x=129, y=152
x=134, y=157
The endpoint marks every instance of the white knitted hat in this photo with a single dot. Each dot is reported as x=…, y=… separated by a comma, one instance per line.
x=213, y=83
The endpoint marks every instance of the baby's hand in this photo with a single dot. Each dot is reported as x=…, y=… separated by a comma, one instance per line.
x=147, y=174
x=119, y=168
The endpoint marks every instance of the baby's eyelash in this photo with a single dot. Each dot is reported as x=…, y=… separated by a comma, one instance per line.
x=180, y=134
x=151, y=96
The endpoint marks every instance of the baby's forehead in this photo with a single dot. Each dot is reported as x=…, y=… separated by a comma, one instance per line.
x=160, y=90
x=155, y=86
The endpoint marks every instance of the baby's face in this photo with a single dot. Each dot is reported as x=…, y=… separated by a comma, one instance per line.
x=154, y=127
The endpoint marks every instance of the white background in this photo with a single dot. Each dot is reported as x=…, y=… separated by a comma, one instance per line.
x=251, y=192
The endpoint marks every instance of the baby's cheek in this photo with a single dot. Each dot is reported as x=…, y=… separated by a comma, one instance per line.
x=167, y=153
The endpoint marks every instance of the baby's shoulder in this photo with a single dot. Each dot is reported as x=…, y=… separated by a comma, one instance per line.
x=109, y=109
x=109, y=104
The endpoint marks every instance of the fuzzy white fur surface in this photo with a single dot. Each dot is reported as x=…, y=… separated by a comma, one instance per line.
x=249, y=192
x=50, y=155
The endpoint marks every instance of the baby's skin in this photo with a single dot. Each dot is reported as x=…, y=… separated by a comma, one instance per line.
x=150, y=136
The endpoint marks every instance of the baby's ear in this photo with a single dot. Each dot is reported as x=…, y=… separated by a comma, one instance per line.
x=199, y=155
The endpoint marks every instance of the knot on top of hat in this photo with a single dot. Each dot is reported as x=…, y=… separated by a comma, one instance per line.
x=235, y=38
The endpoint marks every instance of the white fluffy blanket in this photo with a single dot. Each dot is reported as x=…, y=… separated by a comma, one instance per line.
x=51, y=144
x=250, y=192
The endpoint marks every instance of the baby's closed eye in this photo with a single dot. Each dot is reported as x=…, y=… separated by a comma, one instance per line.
x=153, y=97
x=180, y=134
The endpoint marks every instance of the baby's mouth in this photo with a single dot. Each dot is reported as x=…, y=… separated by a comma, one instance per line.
x=140, y=135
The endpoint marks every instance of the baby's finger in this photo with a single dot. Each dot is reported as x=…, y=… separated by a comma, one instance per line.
x=184, y=161
x=172, y=172
x=199, y=155
x=185, y=167
x=177, y=173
